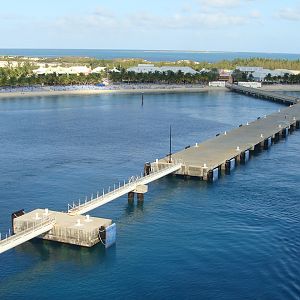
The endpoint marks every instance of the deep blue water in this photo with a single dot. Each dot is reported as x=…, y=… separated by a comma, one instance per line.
x=236, y=239
x=150, y=55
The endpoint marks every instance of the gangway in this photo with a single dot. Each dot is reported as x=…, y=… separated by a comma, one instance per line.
x=134, y=182
x=34, y=230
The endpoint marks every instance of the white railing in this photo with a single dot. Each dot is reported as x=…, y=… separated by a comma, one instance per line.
x=33, y=229
x=287, y=98
x=120, y=190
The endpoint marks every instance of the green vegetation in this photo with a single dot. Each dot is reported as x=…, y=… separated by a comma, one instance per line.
x=286, y=79
x=23, y=75
x=164, y=77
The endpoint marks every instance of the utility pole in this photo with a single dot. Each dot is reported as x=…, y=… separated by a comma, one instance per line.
x=170, y=153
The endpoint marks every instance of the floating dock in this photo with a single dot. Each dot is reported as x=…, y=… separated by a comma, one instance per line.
x=76, y=230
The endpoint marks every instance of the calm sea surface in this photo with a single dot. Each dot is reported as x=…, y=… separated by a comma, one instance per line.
x=147, y=54
x=236, y=239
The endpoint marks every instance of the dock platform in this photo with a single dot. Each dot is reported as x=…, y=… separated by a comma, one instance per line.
x=224, y=151
x=76, y=230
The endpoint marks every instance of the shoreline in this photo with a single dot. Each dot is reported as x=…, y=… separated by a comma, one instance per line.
x=136, y=90
x=111, y=91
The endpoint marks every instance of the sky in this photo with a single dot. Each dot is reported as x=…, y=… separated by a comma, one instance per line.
x=204, y=25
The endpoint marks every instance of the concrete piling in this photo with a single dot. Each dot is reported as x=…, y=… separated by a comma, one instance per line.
x=131, y=198
x=140, y=198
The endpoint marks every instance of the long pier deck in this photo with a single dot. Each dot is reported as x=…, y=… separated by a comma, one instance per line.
x=224, y=151
x=259, y=93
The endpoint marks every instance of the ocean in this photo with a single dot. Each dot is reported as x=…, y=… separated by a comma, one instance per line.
x=236, y=239
x=150, y=55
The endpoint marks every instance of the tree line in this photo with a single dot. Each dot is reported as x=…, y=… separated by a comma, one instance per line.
x=24, y=76
x=287, y=78
x=168, y=77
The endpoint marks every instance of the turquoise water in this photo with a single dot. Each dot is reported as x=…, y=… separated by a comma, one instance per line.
x=146, y=54
x=236, y=239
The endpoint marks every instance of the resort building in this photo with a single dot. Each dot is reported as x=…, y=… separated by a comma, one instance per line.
x=114, y=70
x=224, y=75
x=98, y=70
x=249, y=70
x=217, y=83
x=150, y=68
x=250, y=84
x=259, y=73
x=63, y=71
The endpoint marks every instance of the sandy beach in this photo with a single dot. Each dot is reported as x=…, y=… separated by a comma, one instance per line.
x=164, y=89
x=134, y=90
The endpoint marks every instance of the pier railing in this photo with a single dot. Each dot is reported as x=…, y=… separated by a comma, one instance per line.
x=288, y=99
x=33, y=229
x=121, y=189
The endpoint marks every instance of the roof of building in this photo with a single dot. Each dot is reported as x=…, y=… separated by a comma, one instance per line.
x=98, y=70
x=248, y=69
x=147, y=68
x=63, y=70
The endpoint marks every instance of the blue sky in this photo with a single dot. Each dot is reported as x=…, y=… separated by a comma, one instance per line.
x=232, y=25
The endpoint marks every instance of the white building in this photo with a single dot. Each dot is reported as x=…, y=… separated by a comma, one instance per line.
x=263, y=73
x=98, y=70
x=259, y=73
x=144, y=68
x=63, y=71
x=249, y=84
x=247, y=69
x=217, y=83
x=150, y=68
x=114, y=70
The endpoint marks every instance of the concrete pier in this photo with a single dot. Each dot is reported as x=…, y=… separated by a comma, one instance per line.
x=223, y=152
x=206, y=160
x=75, y=230
x=267, y=95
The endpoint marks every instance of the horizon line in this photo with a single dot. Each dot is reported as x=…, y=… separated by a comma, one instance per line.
x=153, y=50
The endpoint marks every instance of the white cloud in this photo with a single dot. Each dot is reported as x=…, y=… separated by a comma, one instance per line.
x=255, y=14
x=145, y=21
x=222, y=3
x=219, y=3
x=289, y=14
